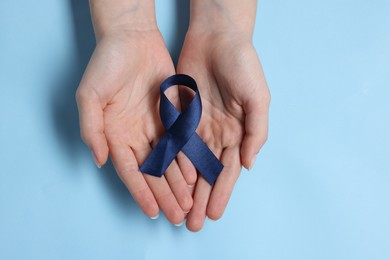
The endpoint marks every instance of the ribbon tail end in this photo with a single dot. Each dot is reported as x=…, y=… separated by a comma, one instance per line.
x=148, y=170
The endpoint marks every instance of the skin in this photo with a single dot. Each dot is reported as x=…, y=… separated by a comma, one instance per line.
x=119, y=94
x=218, y=52
x=118, y=104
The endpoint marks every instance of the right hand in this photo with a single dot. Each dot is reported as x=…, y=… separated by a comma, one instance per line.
x=118, y=107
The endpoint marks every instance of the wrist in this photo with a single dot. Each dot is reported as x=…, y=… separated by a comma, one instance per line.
x=223, y=17
x=122, y=16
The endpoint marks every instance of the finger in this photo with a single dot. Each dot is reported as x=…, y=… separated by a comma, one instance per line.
x=191, y=189
x=256, y=130
x=187, y=168
x=92, y=124
x=127, y=167
x=224, y=185
x=197, y=215
x=179, y=186
x=161, y=190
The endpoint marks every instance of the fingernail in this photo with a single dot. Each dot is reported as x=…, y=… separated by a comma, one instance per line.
x=211, y=220
x=253, y=160
x=95, y=159
x=180, y=224
x=156, y=217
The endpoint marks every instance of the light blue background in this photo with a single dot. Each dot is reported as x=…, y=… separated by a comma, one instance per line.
x=319, y=190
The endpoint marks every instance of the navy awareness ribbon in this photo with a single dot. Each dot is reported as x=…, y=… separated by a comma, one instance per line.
x=180, y=135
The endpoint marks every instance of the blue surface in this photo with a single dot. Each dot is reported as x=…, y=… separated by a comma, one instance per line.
x=319, y=190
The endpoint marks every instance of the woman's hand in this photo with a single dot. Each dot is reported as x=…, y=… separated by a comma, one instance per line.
x=118, y=106
x=235, y=100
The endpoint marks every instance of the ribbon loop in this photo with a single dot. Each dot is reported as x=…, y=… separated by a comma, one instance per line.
x=181, y=135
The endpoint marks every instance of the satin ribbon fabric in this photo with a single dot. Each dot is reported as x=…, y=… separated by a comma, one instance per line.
x=180, y=135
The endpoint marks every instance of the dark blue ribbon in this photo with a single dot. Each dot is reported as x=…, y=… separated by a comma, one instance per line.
x=180, y=135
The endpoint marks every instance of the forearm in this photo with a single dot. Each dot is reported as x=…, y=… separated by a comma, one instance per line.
x=109, y=16
x=223, y=15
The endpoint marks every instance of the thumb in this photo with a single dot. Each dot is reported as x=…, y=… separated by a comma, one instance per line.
x=92, y=124
x=256, y=129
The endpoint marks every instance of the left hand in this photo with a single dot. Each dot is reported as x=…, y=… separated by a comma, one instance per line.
x=234, y=121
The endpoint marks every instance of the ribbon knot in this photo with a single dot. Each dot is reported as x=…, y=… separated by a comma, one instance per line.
x=180, y=135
